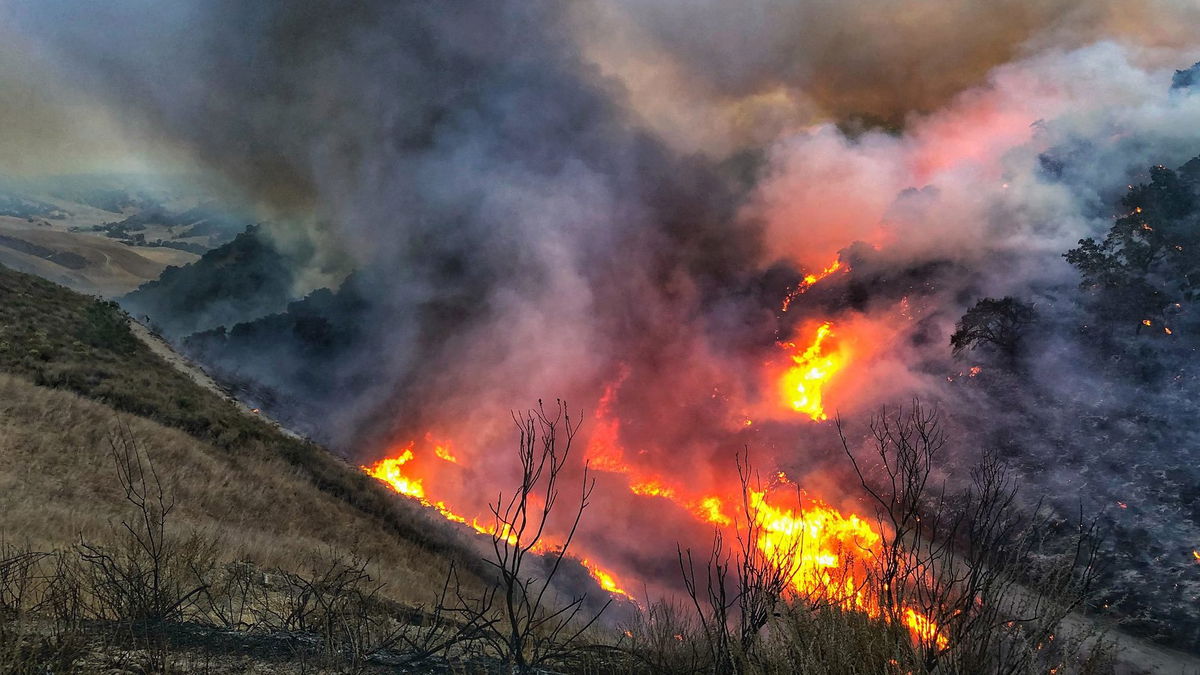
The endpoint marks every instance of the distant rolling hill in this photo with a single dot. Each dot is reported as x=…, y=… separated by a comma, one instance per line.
x=105, y=235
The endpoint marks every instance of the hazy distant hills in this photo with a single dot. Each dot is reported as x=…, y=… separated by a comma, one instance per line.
x=107, y=234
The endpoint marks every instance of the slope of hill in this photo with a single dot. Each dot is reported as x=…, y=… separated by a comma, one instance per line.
x=236, y=471
x=58, y=484
x=74, y=377
x=107, y=234
x=83, y=261
x=57, y=338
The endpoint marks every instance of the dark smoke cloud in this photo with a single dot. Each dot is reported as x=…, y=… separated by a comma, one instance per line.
x=502, y=206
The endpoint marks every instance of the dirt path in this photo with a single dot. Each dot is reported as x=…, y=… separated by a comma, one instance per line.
x=160, y=347
x=1136, y=656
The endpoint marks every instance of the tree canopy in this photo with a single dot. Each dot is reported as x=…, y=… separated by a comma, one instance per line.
x=998, y=323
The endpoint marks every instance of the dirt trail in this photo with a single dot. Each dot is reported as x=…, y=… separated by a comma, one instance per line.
x=160, y=347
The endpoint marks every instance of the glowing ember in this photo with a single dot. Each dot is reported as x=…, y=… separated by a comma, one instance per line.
x=813, y=366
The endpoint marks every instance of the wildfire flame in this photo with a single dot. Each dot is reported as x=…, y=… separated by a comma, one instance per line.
x=821, y=541
x=825, y=550
x=807, y=282
x=826, y=553
x=390, y=470
x=813, y=367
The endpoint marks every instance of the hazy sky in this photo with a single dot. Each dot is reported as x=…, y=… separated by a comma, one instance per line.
x=48, y=126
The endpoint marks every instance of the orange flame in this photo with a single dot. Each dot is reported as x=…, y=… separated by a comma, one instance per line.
x=444, y=454
x=825, y=544
x=924, y=630
x=390, y=470
x=827, y=553
x=813, y=367
x=807, y=282
x=605, y=579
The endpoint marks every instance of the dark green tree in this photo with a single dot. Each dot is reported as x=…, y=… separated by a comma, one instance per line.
x=998, y=323
x=1147, y=261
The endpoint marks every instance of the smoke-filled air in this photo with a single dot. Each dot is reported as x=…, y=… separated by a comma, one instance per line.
x=747, y=248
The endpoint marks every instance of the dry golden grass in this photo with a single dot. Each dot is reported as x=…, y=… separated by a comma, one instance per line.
x=57, y=482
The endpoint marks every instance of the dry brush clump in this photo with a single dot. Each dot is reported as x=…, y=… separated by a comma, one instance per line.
x=523, y=618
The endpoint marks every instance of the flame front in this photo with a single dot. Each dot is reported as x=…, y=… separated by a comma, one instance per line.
x=813, y=366
x=807, y=282
x=827, y=555
x=390, y=471
x=825, y=552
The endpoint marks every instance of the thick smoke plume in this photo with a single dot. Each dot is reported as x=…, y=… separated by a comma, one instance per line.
x=561, y=199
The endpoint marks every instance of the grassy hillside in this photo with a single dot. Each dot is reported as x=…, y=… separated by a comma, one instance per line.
x=60, y=339
x=236, y=473
x=264, y=519
x=260, y=569
x=57, y=483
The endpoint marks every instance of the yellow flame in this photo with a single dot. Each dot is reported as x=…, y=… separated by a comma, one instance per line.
x=924, y=629
x=389, y=471
x=606, y=580
x=814, y=366
x=827, y=553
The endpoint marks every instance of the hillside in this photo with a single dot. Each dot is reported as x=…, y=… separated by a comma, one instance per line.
x=74, y=376
x=76, y=383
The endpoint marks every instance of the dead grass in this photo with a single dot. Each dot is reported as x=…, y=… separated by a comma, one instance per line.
x=60, y=339
x=56, y=483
